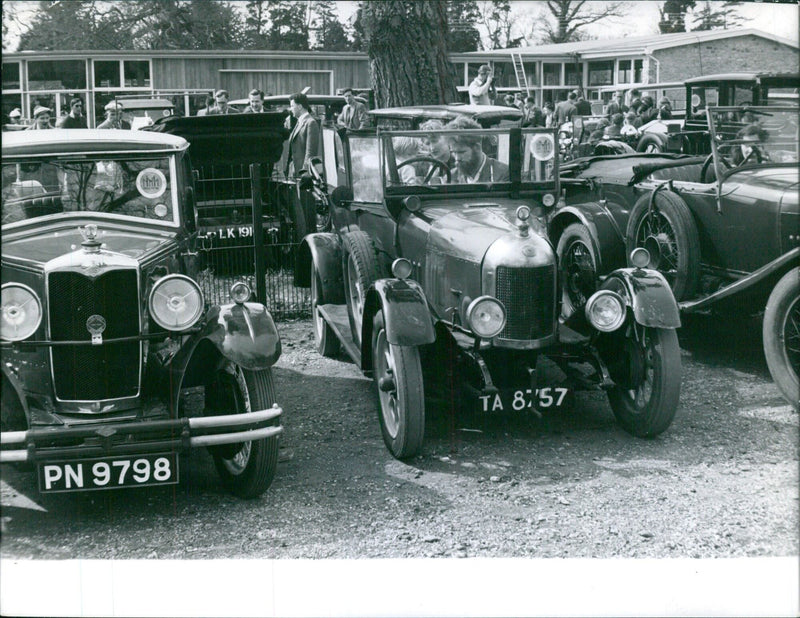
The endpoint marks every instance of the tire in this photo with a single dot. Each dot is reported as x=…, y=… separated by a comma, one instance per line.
x=246, y=468
x=324, y=337
x=400, y=393
x=361, y=269
x=671, y=237
x=781, y=332
x=650, y=143
x=577, y=266
x=648, y=380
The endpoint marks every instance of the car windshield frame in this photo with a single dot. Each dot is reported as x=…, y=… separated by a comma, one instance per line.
x=108, y=176
x=521, y=175
x=772, y=140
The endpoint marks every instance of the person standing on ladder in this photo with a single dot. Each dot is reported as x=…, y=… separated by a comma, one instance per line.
x=479, y=88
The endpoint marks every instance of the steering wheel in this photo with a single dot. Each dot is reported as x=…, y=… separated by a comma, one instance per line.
x=435, y=164
x=707, y=164
x=754, y=150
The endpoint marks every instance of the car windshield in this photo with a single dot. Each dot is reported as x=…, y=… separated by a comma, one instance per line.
x=141, y=188
x=747, y=136
x=442, y=159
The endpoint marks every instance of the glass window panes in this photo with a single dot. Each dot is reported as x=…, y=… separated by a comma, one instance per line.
x=601, y=73
x=624, y=73
x=572, y=74
x=637, y=71
x=106, y=74
x=11, y=76
x=365, y=168
x=137, y=73
x=56, y=74
x=504, y=76
x=551, y=74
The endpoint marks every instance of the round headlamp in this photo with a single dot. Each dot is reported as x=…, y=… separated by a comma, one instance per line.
x=640, y=257
x=240, y=292
x=548, y=199
x=176, y=302
x=401, y=268
x=486, y=317
x=21, y=312
x=605, y=310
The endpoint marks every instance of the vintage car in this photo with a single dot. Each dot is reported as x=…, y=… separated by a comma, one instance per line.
x=488, y=116
x=325, y=107
x=446, y=288
x=723, y=228
x=690, y=134
x=112, y=363
x=142, y=112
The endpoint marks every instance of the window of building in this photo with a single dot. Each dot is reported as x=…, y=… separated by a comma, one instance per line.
x=638, y=66
x=137, y=73
x=122, y=73
x=106, y=74
x=624, y=72
x=573, y=74
x=56, y=75
x=551, y=74
x=601, y=73
x=530, y=73
x=10, y=76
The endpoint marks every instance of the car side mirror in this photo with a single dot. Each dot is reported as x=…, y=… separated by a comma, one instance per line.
x=342, y=196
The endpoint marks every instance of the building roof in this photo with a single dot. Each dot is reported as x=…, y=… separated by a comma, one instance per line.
x=633, y=45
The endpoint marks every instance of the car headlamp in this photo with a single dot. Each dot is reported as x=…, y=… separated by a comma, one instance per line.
x=175, y=302
x=486, y=317
x=402, y=268
x=640, y=257
x=605, y=310
x=21, y=312
x=240, y=292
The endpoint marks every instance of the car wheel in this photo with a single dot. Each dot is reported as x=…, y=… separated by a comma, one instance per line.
x=324, y=337
x=669, y=234
x=577, y=264
x=781, y=332
x=246, y=468
x=645, y=365
x=650, y=143
x=361, y=269
x=400, y=392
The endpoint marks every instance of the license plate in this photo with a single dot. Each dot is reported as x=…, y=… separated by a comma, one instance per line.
x=524, y=399
x=108, y=473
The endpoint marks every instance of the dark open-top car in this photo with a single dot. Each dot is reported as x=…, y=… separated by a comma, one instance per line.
x=723, y=228
x=112, y=362
x=439, y=281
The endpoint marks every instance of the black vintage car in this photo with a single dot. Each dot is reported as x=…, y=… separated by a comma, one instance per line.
x=723, y=228
x=444, y=287
x=112, y=363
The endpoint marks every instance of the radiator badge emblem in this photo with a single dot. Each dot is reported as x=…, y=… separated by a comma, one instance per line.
x=96, y=324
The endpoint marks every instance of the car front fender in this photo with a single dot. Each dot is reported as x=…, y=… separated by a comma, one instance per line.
x=609, y=241
x=406, y=315
x=648, y=295
x=324, y=250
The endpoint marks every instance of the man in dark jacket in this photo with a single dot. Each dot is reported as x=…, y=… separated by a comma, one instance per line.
x=304, y=140
x=583, y=107
x=531, y=115
x=75, y=119
x=565, y=110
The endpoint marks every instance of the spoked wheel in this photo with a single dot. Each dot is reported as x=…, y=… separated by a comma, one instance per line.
x=401, y=397
x=669, y=234
x=781, y=331
x=577, y=266
x=246, y=468
x=645, y=364
x=361, y=269
x=324, y=337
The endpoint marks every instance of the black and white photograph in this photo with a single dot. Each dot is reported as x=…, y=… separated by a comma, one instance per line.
x=464, y=308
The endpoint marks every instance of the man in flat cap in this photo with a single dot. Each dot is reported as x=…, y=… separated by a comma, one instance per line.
x=114, y=119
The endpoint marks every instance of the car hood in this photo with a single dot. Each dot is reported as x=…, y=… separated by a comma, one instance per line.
x=38, y=244
x=466, y=231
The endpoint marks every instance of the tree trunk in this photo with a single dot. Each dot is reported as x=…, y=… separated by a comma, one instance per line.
x=406, y=42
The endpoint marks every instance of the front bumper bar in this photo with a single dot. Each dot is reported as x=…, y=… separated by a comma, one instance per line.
x=137, y=437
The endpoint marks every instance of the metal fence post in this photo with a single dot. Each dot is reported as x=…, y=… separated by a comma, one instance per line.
x=258, y=234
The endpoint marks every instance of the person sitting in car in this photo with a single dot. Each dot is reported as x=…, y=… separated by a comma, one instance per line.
x=471, y=164
x=750, y=152
x=436, y=147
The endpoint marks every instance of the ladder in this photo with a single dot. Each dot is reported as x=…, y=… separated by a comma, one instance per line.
x=519, y=71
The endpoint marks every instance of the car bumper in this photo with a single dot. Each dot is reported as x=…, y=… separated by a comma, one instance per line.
x=137, y=437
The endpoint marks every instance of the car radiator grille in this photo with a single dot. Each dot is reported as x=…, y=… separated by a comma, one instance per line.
x=528, y=296
x=106, y=371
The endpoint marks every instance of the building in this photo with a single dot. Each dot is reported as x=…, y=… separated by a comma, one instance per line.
x=548, y=72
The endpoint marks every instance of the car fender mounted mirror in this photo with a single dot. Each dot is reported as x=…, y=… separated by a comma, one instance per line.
x=342, y=196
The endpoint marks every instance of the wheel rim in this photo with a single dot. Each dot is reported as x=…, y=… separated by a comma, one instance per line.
x=652, y=148
x=356, y=292
x=791, y=335
x=387, y=386
x=236, y=465
x=579, y=272
x=641, y=394
x=656, y=235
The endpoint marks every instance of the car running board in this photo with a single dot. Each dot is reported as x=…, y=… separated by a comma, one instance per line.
x=336, y=317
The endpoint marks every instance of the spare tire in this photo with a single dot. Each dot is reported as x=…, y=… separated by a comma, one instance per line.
x=670, y=235
x=650, y=142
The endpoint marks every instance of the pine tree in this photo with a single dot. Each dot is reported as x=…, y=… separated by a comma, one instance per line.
x=330, y=34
